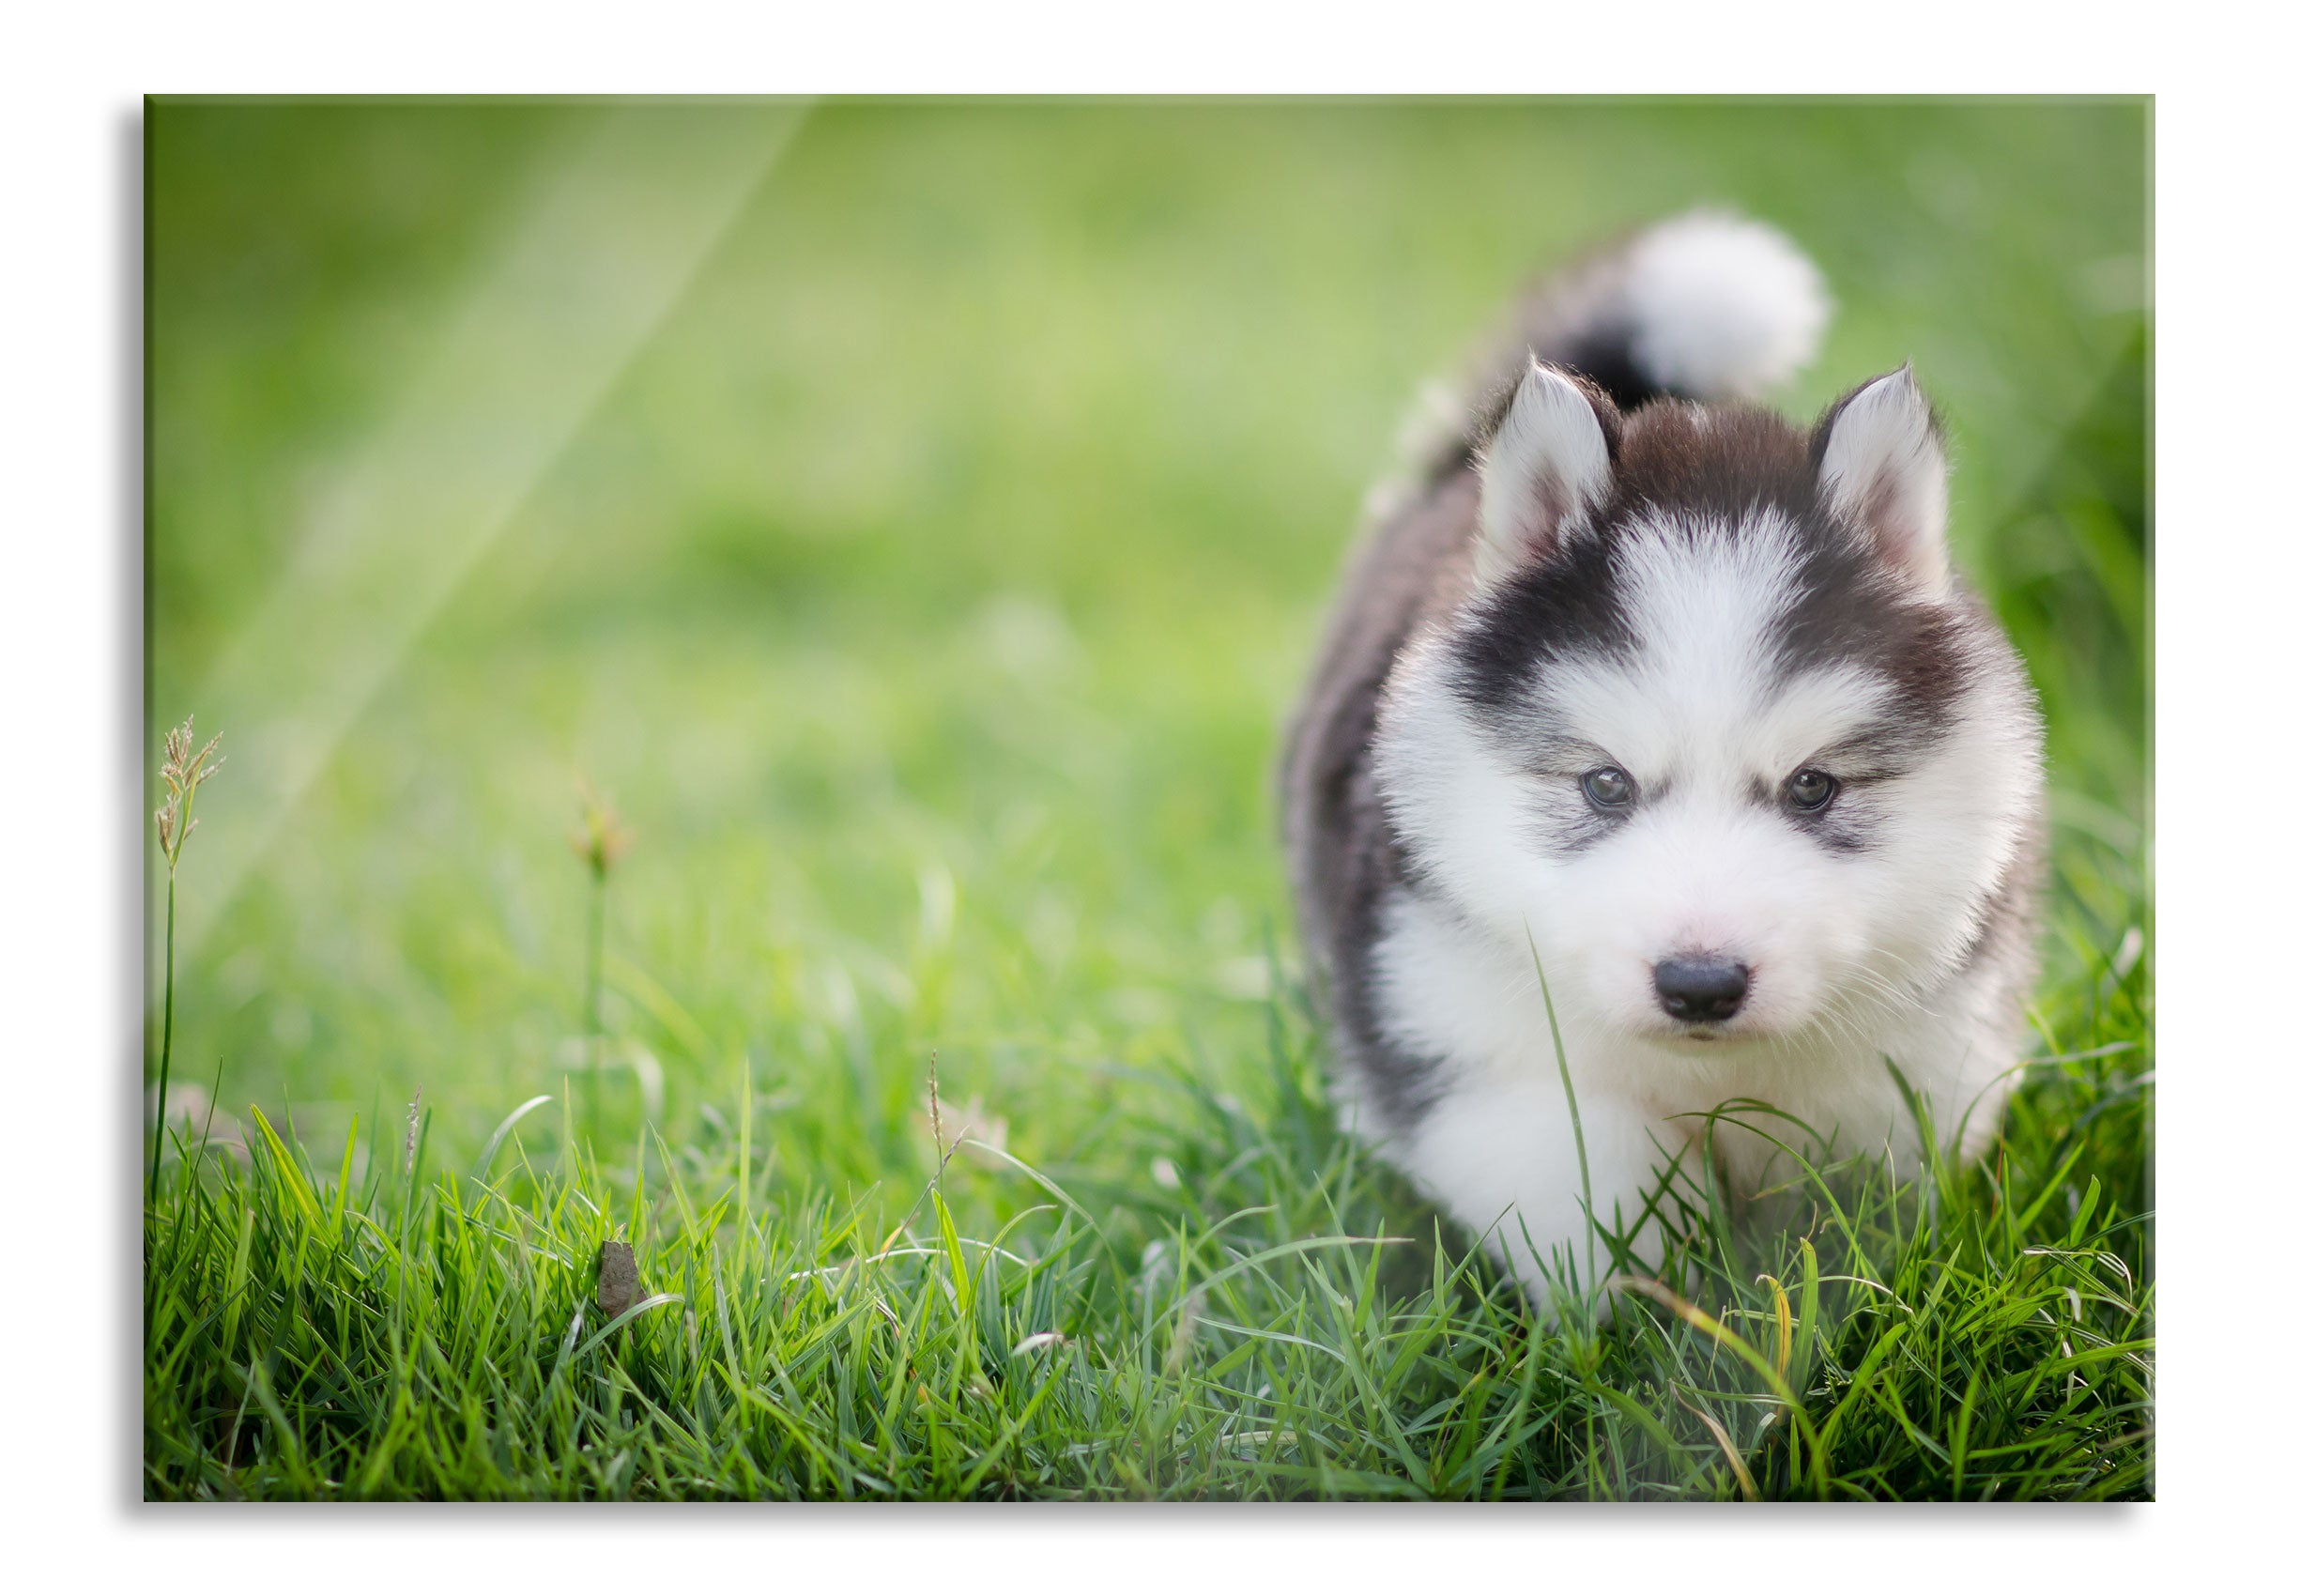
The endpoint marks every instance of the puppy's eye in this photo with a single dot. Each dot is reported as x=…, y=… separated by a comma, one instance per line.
x=1810, y=789
x=1608, y=788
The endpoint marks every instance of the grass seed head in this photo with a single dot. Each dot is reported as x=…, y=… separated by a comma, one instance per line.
x=183, y=770
x=934, y=1107
x=600, y=839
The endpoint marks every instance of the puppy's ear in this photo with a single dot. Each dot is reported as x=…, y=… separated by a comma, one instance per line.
x=1549, y=463
x=1882, y=466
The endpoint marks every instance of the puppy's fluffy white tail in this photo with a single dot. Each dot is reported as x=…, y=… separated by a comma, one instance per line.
x=1713, y=306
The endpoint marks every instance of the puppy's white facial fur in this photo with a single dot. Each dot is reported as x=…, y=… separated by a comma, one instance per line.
x=1698, y=714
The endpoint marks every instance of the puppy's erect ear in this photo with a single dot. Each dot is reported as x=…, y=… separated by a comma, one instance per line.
x=1550, y=461
x=1883, y=469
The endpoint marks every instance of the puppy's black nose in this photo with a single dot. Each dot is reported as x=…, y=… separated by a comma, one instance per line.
x=1701, y=989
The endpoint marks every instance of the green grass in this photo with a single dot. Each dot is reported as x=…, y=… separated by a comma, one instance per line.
x=928, y=586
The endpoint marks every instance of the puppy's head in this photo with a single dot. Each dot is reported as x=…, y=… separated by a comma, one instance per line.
x=1717, y=730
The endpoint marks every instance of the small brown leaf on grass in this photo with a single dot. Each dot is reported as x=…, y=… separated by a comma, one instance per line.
x=618, y=1277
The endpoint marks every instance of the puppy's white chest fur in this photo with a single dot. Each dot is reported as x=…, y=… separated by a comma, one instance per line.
x=1495, y=1145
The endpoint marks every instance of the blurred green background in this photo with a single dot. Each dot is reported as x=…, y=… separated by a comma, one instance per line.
x=918, y=516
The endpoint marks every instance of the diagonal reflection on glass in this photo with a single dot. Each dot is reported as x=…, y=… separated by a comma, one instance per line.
x=612, y=242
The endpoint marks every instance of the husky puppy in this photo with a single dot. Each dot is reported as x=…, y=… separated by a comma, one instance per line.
x=1644, y=700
